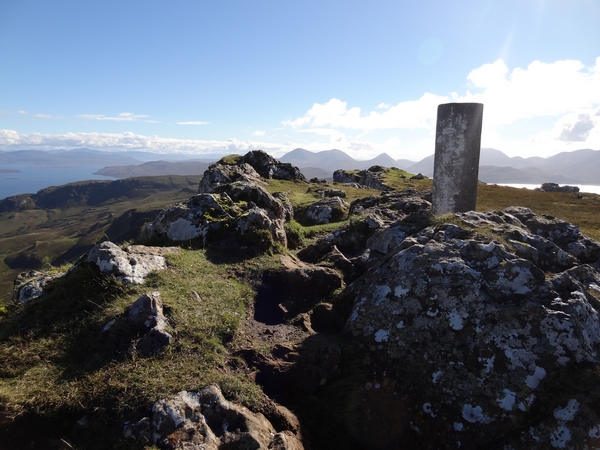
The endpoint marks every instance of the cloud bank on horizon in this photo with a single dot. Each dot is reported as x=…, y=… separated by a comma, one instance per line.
x=565, y=92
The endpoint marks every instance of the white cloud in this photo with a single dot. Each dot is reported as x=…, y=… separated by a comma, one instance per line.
x=258, y=133
x=37, y=116
x=565, y=91
x=12, y=140
x=193, y=123
x=121, y=117
x=578, y=130
x=540, y=90
x=45, y=116
x=405, y=115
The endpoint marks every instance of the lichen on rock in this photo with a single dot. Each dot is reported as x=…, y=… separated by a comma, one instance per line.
x=467, y=331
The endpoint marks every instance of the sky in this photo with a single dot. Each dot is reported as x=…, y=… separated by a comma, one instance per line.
x=229, y=76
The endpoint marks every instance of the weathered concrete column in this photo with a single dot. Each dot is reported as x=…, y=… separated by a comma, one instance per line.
x=456, y=163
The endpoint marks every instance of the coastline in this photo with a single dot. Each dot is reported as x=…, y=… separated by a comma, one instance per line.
x=583, y=188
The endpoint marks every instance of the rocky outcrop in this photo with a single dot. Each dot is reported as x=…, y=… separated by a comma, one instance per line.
x=205, y=420
x=249, y=168
x=394, y=205
x=220, y=174
x=470, y=330
x=30, y=285
x=561, y=233
x=236, y=212
x=131, y=265
x=372, y=178
x=324, y=211
x=377, y=224
x=233, y=207
x=146, y=315
x=554, y=187
x=331, y=193
x=269, y=167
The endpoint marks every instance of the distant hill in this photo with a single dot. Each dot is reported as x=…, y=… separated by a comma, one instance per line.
x=156, y=168
x=332, y=160
x=528, y=175
x=315, y=172
x=577, y=167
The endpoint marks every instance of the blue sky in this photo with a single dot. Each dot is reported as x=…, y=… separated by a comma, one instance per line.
x=223, y=76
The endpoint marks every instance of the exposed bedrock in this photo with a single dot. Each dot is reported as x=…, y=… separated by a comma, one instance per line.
x=479, y=333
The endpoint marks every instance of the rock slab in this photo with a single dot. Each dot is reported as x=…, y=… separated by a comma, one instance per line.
x=468, y=336
x=205, y=420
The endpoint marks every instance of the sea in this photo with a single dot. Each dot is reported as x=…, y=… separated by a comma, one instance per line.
x=29, y=179
x=589, y=188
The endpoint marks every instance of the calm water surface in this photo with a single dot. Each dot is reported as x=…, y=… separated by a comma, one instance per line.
x=31, y=179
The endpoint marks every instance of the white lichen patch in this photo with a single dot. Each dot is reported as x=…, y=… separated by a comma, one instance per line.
x=526, y=403
x=533, y=381
x=400, y=325
x=380, y=294
x=508, y=401
x=436, y=376
x=182, y=230
x=560, y=437
x=488, y=363
x=559, y=331
x=400, y=291
x=474, y=414
x=458, y=426
x=357, y=309
x=492, y=262
x=427, y=409
x=515, y=343
x=594, y=432
x=381, y=336
x=568, y=412
x=455, y=319
x=431, y=313
x=487, y=247
x=518, y=281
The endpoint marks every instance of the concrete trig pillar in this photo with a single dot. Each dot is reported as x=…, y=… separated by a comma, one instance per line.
x=456, y=163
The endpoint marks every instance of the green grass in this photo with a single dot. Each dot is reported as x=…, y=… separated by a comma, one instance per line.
x=584, y=212
x=57, y=366
x=230, y=160
x=55, y=361
x=64, y=232
x=399, y=179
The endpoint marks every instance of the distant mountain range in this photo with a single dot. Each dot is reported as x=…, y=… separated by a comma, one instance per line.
x=577, y=167
x=88, y=157
x=156, y=168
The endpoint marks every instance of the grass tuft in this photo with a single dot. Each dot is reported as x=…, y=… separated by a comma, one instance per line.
x=55, y=359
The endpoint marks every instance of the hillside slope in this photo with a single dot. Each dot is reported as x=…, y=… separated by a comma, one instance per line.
x=382, y=327
x=60, y=223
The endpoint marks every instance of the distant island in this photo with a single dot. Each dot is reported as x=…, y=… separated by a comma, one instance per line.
x=9, y=171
